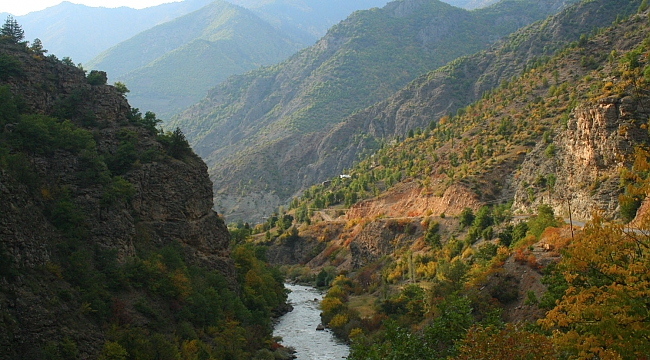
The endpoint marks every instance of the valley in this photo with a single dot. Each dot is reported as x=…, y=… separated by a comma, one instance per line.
x=430, y=182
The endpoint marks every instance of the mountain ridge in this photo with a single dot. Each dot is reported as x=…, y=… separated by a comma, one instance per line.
x=306, y=21
x=172, y=65
x=454, y=86
x=63, y=27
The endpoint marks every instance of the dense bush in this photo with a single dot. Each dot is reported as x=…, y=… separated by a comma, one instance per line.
x=9, y=66
x=545, y=218
x=175, y=144
x=96, y=77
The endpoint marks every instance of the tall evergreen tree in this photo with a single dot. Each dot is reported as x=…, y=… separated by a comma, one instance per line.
x=12, y=30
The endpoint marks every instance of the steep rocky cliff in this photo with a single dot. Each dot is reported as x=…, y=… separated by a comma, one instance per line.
x=590, y=154
x=61, y=203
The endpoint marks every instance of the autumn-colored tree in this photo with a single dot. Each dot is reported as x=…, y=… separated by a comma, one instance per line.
x=507, y=343
x=605, y=311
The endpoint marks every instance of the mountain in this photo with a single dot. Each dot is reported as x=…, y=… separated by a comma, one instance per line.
x=306, y=21
x=81, y=32
x=514, y=210
x=258, y=132
x=172, y=65
x=456, y=85
x=109, y=246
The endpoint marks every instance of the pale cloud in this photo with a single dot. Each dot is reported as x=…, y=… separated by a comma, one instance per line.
x=18, y=7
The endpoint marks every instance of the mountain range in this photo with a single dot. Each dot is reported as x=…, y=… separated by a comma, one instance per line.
x=81, y=32
x=260, y=132
x=494, y=206
x=173, y=65
x=452, y=87
x=306, y=21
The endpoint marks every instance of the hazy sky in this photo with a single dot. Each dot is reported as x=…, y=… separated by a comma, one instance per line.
x=22, y=7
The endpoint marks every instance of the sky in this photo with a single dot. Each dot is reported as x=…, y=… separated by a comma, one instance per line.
x=22, y=7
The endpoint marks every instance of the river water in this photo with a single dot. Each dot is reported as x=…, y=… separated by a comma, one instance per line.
x=298, y=327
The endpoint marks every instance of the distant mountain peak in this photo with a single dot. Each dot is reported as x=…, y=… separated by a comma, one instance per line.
x=81, y=32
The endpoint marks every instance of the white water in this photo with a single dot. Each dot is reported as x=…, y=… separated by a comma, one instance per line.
x=298, y=327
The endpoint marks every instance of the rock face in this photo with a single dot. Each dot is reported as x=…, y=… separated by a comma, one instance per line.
x=588, y=156
x=409, y=197
x=374, y=241
x=171, y=204
x=295, y=251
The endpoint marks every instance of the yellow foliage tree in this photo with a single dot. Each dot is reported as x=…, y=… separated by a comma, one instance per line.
x=507, y=343
x=336, y=292
x=181, y=283
x=331, y=305
x=339, y=320
x=605, y=312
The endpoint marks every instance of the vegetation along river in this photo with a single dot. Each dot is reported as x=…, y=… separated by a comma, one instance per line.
x=298, y=327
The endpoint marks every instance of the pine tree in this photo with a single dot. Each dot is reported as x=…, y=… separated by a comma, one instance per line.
x=12, y=30
x=37, y=47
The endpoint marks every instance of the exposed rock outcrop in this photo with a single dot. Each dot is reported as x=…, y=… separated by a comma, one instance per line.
x=587, y=159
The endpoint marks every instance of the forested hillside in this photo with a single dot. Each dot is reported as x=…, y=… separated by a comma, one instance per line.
x=454, y=86
x=455, y=241
x=258, y=131
x=109, y=248
x=173, y=65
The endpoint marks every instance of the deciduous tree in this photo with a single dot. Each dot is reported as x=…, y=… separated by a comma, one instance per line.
x=605, y=311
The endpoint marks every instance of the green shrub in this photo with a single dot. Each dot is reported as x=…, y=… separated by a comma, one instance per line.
x=175, y=144
x=113, y=351
x=119, y=190
x=8, y=106
x=531, y=298
x=125, y=156
x=21, y=169
x=628, y=207
x=550, y=151
x=96, y=77
x=466, y=217
x=65, y=215
x=9, y=66
x=545, y=218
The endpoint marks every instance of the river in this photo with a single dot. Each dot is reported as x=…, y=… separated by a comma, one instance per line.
x=298, y=327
